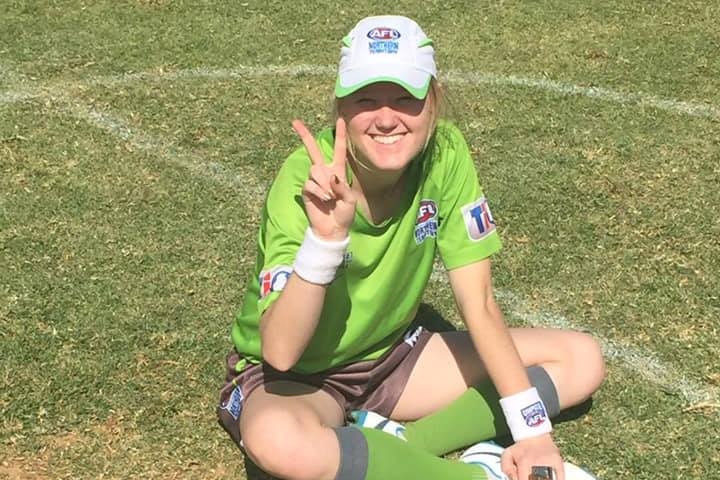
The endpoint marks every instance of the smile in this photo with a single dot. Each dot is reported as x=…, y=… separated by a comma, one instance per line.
x=387, y=139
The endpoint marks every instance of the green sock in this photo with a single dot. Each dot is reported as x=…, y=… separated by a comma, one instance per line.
x=474, y=417
x=369, y=454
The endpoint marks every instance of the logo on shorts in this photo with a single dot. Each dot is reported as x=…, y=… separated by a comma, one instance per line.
x=534, y=415
x=274, y=279
x=426, y=224
x=479, y=221
x=234, y=403
x=411, y=336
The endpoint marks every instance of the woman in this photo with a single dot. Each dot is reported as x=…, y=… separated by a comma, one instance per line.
x=349, y=232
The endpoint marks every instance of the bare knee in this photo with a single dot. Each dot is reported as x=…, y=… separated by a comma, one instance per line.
x=286, y=446
x=592, y=357
x=587, y=365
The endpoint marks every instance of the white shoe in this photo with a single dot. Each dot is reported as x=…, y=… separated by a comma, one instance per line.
x=487, y=455
x=368, y=419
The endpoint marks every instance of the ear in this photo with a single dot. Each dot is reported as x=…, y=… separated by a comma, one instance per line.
x=340, y=108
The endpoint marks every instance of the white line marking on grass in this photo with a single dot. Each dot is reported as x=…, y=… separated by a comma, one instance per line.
x=123, y=130
x=676, y=106
x=9, y=98
x=644, y=363
x=59, y=88
x=10, y=77
x=215, y=74
x=641, y=362
x=8, y=74
x=452, y=76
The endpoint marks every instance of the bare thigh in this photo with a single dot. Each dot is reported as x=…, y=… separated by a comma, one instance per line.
x=286, y=429
x=449, y=364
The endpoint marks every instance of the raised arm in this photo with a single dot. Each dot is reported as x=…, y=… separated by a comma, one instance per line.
x=288, y=325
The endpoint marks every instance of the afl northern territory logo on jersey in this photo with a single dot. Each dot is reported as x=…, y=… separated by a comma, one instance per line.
x=426, y=224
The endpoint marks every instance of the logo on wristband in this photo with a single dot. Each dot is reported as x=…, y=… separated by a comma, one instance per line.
x=534, y=415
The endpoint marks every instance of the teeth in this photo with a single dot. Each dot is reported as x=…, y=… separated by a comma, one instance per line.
x=387, y=139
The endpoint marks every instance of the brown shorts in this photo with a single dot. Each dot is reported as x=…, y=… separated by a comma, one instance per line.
x=368, y=385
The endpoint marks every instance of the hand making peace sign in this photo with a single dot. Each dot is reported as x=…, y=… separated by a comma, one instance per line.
x=329, y=202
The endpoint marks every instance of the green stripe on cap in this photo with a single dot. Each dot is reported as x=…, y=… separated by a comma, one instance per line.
x=416, y=92
x=425, y=43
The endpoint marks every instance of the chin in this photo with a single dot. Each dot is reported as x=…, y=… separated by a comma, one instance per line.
x=386, y=164
x=388, y=161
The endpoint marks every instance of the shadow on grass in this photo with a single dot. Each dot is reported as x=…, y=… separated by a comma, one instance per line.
x=573, y=413
x=253, y=472
x=432, y=320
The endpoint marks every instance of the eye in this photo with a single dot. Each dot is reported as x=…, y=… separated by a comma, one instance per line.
x=364, y=101
x=408, y=102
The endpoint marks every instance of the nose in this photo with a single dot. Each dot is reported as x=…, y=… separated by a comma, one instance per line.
x=386, y=118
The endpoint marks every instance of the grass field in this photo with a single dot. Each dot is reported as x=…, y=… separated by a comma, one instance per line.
x=137, y=139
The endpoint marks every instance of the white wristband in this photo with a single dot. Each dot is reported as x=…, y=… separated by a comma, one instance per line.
x=525, y=414
x=317, y=260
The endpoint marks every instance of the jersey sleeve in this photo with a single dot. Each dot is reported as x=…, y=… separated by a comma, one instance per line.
x=283, y=224
x=467, y=232
x=282, y=229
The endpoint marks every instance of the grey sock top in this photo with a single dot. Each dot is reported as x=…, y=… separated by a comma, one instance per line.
x=353, y=454
x=540, y=379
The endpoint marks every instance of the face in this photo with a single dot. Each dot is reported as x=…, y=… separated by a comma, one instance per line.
x=387, y=126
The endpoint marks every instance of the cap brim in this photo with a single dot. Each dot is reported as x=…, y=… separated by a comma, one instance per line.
x=352, y=81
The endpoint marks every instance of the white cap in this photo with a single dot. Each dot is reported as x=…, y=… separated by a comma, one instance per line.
x=386, y=49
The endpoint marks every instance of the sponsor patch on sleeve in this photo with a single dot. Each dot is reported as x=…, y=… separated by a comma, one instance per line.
x=478, y=219
x=274, y=279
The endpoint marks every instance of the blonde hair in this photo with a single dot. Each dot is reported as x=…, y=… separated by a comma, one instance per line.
x=436, y=94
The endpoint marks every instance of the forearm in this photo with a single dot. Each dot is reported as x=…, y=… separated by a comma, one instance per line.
x=472, y=286
x=496, y=349
x=522, y=406
x=288, y=325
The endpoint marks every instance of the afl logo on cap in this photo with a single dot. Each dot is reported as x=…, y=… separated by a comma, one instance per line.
x=383, y=33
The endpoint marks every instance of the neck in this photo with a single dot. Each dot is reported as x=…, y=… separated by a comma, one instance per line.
x=375, y=183
x=379, y=193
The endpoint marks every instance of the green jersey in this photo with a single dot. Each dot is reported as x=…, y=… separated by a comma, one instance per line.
x=377, y=290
